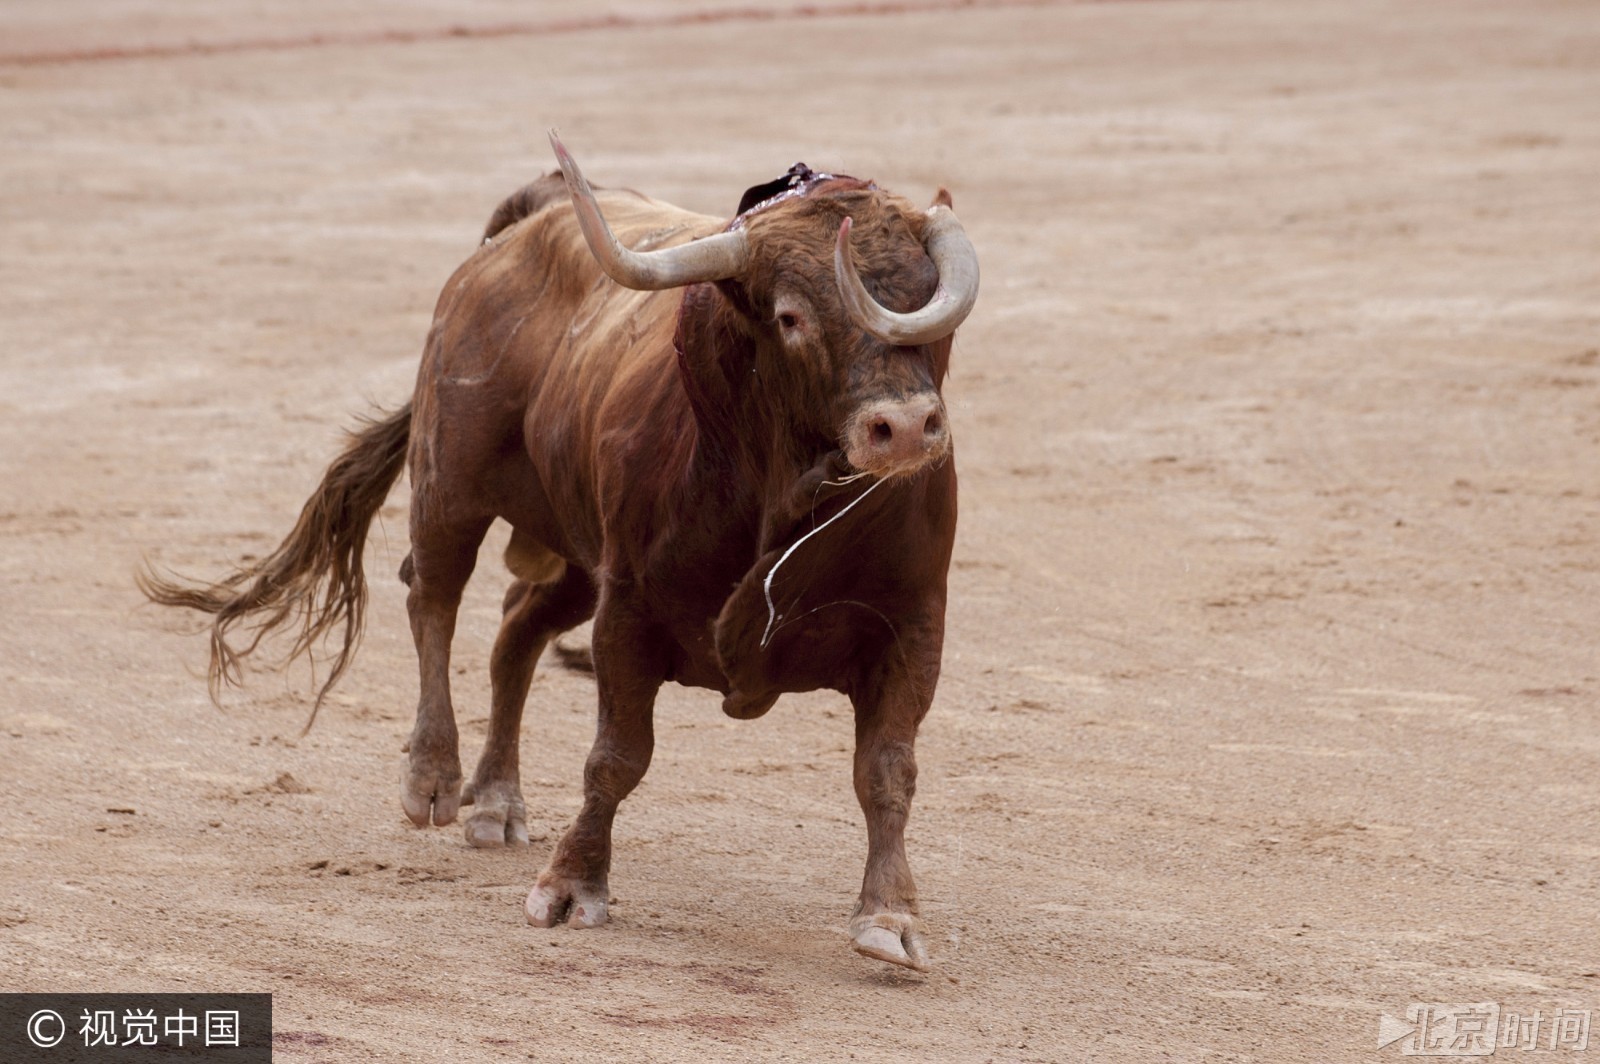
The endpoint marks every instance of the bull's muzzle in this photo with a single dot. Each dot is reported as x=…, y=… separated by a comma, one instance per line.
x=899, y=437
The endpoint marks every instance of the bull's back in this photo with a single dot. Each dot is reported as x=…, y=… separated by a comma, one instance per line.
x=537, y=362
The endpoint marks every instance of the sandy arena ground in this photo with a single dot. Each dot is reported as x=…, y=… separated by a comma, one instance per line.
x=1271, y=692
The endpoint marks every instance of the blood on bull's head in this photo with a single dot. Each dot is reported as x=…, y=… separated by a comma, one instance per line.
x=849, y=295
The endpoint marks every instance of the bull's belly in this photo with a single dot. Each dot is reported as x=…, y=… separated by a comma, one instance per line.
x=695, y=661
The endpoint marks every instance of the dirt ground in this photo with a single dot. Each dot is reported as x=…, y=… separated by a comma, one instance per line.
x=1271, y=693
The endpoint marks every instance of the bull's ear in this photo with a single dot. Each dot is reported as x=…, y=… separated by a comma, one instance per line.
x=942, y=198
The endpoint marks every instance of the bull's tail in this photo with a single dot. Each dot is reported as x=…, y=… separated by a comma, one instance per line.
x=313, y=584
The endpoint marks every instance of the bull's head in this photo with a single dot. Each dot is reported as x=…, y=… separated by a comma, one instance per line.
x=875, y=361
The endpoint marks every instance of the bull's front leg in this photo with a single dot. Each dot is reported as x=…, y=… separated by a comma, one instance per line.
x=629, y=666
x=886, y=924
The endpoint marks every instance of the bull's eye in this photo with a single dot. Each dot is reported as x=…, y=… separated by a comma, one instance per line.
x=788, y=321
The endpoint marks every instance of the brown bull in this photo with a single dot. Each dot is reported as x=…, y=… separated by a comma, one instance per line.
x=735, y=458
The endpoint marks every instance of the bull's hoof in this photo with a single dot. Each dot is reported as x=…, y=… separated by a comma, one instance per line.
x=499, y=817
x=555, y=899
x=430, y=792
x=895, y=938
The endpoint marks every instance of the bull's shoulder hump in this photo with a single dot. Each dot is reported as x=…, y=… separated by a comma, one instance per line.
x=526, y=202
x=549, y=193
x=639, y=217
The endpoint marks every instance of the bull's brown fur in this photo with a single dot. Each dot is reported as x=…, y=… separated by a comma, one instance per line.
x=655, y=453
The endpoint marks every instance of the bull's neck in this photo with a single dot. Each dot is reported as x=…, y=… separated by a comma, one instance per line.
x=752, y=428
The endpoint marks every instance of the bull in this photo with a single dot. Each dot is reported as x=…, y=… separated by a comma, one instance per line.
x=725, y=442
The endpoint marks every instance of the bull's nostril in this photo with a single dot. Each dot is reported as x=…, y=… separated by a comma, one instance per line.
x=882, y=432
x=934, y=425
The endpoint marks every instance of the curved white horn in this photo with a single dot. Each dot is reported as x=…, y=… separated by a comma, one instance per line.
x=711, y=258
x=957, y=263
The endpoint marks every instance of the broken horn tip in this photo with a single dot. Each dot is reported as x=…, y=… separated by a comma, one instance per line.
x=560, y=149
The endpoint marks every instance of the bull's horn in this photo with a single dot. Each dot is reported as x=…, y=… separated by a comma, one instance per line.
x=952, y=254
x=709, y=259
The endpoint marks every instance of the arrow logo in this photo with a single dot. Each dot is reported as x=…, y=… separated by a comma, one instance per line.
x=1391, y=1030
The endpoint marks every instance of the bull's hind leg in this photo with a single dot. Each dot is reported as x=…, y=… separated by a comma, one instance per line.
x=629, y=664
x=548, y=597
x=436, y=570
